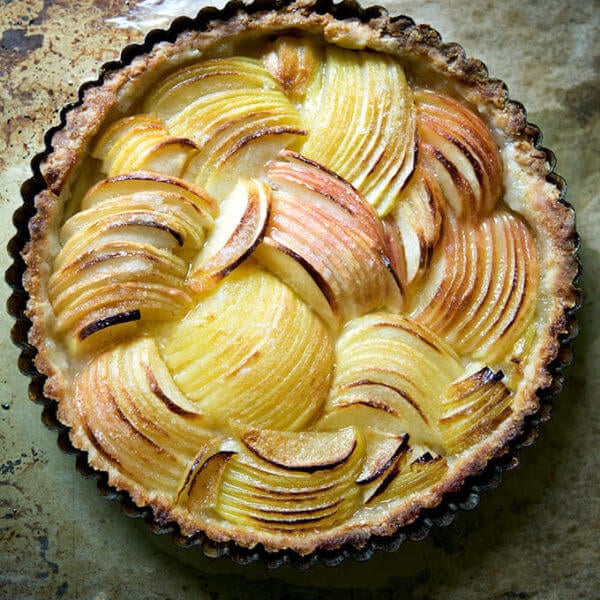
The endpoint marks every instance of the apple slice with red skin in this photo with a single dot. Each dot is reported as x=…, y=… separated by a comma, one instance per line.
x=128, y=412
x=238, y=230
x=417, y=219
x=458, y=148
x=481, y=293
x=337, y=240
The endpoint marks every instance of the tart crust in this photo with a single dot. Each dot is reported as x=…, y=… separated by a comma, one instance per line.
x=528, y=170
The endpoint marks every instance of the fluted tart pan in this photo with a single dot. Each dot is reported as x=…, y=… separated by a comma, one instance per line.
x=294, y=281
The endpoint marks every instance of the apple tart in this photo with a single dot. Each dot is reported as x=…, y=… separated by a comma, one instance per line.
x=296, y=274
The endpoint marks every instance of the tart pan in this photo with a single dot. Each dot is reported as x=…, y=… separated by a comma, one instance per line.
x=467, y=497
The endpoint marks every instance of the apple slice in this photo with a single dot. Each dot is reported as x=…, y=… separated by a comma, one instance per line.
x=226, y=352
x=247, y=157
x=382, y=453
x=141, y=142
x=395, y=253
x=204, y=487
x=302, y=277
x=321, y=222
x=212, y=76
x=458, y=148
x=238, y=131
x=146, y=182
x=473, y=407
x=124, y=258
x=481, y=293
x=114, y=305
x=372, y=414
x=391, y=374
x=127, y=130
x=292, y=488
x=119, y=282
x=128, y=413
x=113, y=263
x=299, y=175
x=293, y=62
x=234, y=111
x=417, y=470
x=306, y=451
x=238, y=230
x=166, y=220
x=361, y=118
x=418, y=217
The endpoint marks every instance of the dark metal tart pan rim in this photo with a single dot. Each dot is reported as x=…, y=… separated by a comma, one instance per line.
x=468, y=496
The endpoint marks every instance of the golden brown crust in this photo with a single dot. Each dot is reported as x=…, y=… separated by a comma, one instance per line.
x=420, y=48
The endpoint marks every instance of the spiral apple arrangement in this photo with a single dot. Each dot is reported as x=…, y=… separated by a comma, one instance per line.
x=294, y=292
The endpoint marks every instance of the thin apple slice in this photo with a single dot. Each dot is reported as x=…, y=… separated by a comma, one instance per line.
x=321, y=222
x=134, y=422
x=306, y=451
x=226, y=352
x=124, y=259
x=301, y=277
x=458, y=148
x=169, y=156
x=474, y=406
x=361, y=118
x=299, y=175
x=166, y=220
x=182, y=87
x=287, y=494
x=417, y=470
x=127, y=131
x=114, y=284
x=114, y=304
x=393, y=372
x=203, y=491
x=234, y=111
x=418, y=216
x=293, y=62
x=382, y=452
x=238, y=131
x=481, y=294
x=113, y=263
x=248, y=156
x=393, y=375
x=458, y=165
x=238, y=230
x=146, y=182
x=142, y=142
x=395, y=253
x=371, y=414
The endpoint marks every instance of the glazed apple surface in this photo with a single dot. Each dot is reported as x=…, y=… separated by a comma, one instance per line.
x=294, y=294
